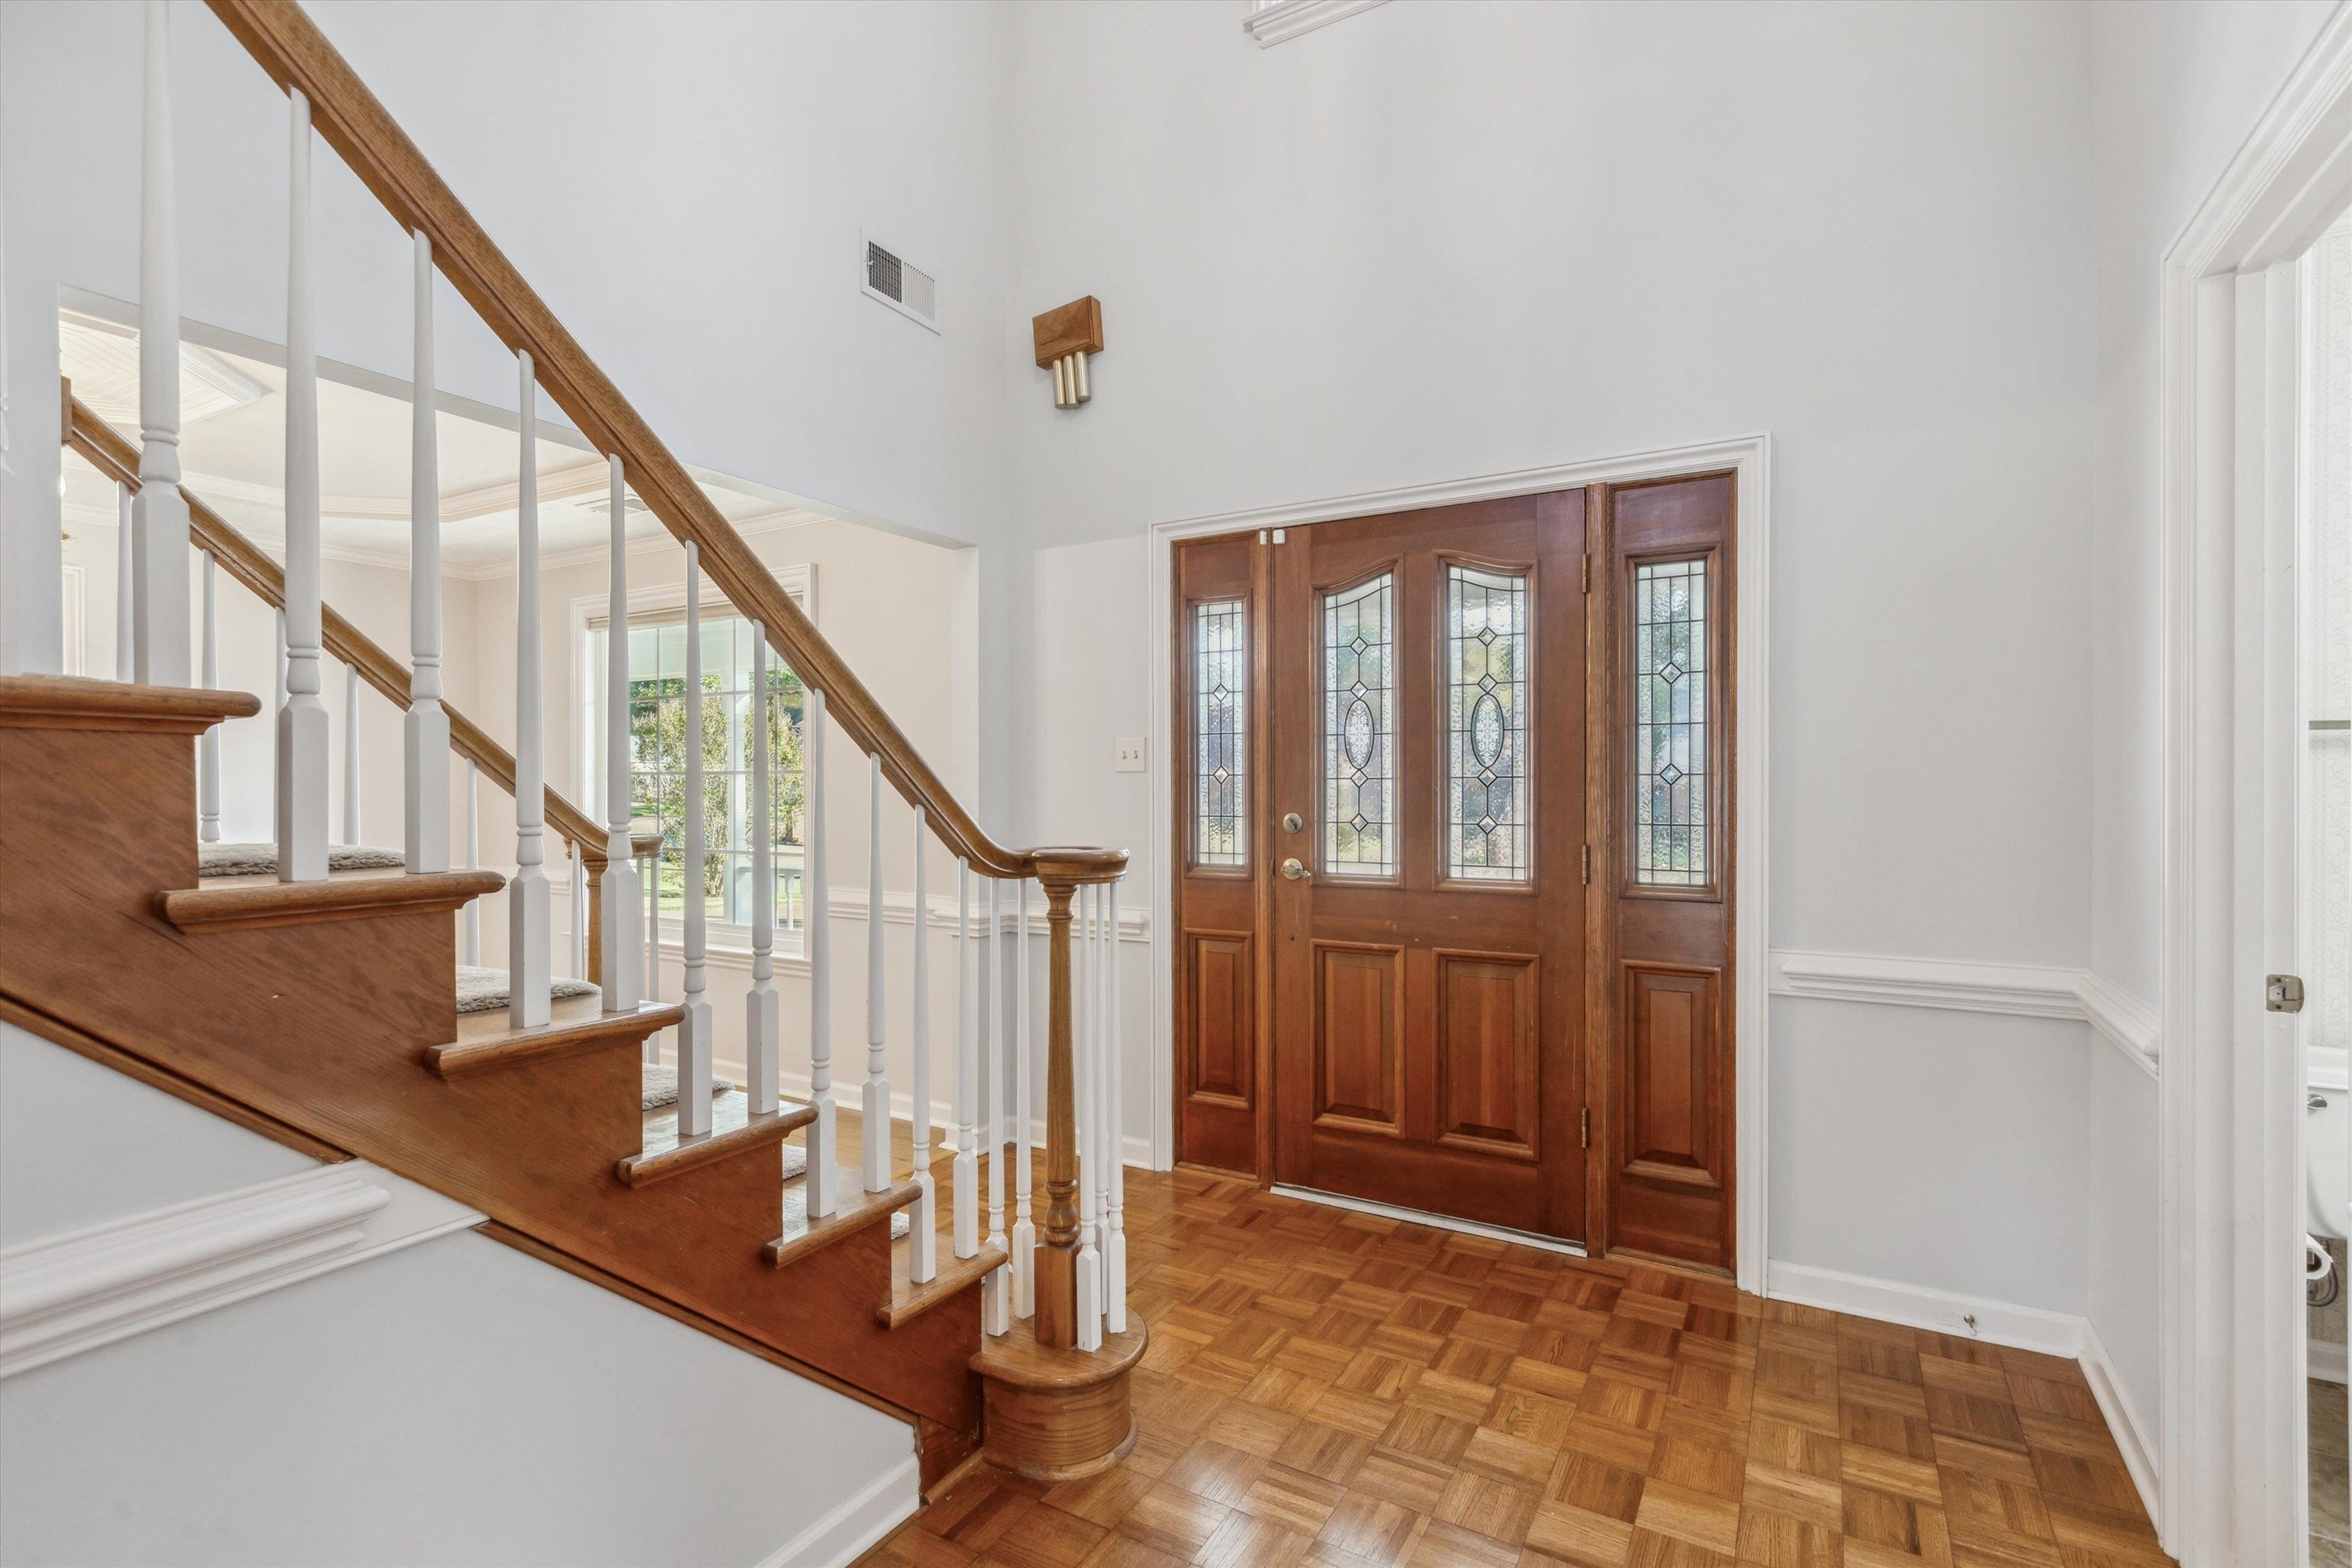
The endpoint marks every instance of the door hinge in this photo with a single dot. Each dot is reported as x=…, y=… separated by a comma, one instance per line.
x=1587, y=573
x=1584, y=1130
x=1588, y=865
x=2283, y=994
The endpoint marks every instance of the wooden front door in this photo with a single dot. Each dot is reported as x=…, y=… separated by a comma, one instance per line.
x=1453, y=892
x=1428, y=683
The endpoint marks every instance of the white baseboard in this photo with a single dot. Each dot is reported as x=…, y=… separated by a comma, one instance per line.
x=61, y=1295
x=2132, y=1434
x=1922, y=1306
x=2325, y=1360
x=857, y=1524
x=1997, y=1322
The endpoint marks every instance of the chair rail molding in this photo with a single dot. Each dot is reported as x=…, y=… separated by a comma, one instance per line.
x=2018, y=989
x=1750, y=458
x=65, y=1294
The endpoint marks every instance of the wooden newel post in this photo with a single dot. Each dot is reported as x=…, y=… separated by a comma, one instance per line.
x=592, y=865
x=1057, y=1264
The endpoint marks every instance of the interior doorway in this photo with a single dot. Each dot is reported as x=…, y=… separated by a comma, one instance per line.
x=1453, y=853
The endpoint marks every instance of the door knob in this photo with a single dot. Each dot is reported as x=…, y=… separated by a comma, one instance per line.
x=1294, y=870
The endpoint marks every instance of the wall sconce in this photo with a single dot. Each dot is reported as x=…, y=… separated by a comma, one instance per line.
x=1064, y=336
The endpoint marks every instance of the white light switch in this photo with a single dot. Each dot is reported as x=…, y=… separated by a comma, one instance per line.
x=1128, y=754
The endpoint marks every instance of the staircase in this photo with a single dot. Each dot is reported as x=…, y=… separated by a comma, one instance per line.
x=318, y=1004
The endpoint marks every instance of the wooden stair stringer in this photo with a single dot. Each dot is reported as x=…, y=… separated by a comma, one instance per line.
x=323, y=1027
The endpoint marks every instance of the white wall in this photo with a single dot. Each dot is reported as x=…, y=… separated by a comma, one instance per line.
x=684, y=185
x=1432, y=242
x=452, y=1402
x=2175, y=88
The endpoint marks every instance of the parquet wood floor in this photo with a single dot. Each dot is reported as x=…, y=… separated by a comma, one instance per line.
x=1330, y=1388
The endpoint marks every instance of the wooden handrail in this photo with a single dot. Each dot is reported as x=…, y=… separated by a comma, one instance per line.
x=116, y=456
x=289, y=47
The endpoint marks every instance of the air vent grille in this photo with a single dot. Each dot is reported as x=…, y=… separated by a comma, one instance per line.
x=907, y=288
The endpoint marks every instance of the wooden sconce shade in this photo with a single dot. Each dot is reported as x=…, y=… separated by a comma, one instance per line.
x=1064, y=336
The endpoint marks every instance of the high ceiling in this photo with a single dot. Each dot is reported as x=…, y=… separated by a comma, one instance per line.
x=233, y=455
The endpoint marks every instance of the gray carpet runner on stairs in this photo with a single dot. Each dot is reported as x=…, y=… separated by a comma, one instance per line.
x=261, y=860
x=484, y=990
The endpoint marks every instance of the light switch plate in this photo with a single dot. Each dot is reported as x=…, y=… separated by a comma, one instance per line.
x=1126, y=754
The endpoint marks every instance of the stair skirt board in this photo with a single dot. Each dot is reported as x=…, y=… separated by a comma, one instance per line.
x=261, y=860
x=661, y=1090
x=484, y=990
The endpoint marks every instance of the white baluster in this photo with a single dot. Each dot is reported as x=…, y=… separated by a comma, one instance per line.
x=425, y=727
x=276, y=707
x=653, y=947
x=617, y=937
x=966, y=1196
x=1114, y=1129
x=764, y=1008
x=208, y=753
x=996, y=1290
x=694, y=1029
x=159, y=549
x=579, y=913
x=528, y=951
x=822, y=1138
x=351, y=753
x=1024, y=1234
x=126, y=601
x=924, y=1261
x=303, y=740
x=874, y=1129
x=1090, y=1270
x=472, y=916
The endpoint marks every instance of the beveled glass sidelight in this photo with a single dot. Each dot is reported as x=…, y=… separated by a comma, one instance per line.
x=1219, y=733
x=1488, y=834
x=1359, y=730
x=1670, y=724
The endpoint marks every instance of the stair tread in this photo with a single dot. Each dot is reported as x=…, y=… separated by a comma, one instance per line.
x=487, y=1040
x=733, y=1130
x=1015, y=1357
x=858, y=1210
x=909, y=1301
x=232, y=901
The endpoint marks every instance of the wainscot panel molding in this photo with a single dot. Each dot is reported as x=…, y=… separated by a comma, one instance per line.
x=857, y=1524
x=2019, y=990
x=1997, y=1322
x=65, y=1294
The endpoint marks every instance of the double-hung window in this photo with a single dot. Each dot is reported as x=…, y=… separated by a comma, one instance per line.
x=657, y=732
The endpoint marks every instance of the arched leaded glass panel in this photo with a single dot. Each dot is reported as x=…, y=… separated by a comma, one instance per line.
x=1219, y=733
x=1359, y=730
x=1487, y=837
x=1670, y=695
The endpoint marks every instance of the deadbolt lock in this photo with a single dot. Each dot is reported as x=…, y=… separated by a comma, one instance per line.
x=2283, y=994
x=1292, y=822
x=1294, y=870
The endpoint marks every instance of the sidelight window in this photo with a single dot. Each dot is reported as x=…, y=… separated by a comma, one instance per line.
x=1486, y=734
x=1671, y=806
x=1359, y=730
x=1220, y=721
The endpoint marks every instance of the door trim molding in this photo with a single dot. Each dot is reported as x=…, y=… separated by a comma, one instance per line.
x=1748, y=458
x=2229, y=1326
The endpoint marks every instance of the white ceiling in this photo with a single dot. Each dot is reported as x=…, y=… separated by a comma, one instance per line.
x=233, y=455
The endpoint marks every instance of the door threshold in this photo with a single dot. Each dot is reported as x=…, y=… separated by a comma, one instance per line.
x=1436, y=1221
